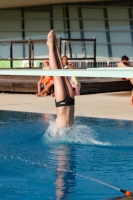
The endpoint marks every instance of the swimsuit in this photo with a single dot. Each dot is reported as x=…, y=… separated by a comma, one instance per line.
x=68, y=101
x=47, y=79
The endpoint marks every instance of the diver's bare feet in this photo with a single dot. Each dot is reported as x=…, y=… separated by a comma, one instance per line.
x=44, y=95
x=41, y=95
x=37, y=94
x=52, y=95
x=50, y=39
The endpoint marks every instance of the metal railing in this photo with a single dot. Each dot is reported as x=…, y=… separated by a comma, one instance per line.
x=83, y=41
x=60, y=40
x=30, y=43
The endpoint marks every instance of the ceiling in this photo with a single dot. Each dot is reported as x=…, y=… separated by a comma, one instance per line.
x=20, y=3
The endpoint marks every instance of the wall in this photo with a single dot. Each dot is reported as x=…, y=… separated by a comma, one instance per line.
x=110, y=23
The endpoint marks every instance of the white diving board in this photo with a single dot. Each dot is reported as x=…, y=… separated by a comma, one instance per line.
x=111, y=72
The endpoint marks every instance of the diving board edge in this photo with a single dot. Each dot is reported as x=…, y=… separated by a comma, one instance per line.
x=89, y=72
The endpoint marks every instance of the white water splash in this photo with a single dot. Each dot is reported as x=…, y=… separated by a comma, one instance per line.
x=80, y=134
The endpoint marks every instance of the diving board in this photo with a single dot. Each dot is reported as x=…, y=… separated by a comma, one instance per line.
x=111, y=72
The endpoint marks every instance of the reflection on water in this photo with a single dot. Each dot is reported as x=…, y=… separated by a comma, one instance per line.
x=90, y=162
x=65, y=180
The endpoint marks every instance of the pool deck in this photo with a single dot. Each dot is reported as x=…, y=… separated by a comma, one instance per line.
x=114, y=105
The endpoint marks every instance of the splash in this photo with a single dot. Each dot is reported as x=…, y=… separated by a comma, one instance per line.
x=88, y=132
x=77, y=134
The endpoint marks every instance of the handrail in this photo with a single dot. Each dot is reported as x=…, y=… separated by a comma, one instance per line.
x=31, y=43
x=83, y=41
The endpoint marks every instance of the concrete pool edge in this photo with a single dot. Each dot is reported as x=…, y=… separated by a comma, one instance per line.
x=114, y=105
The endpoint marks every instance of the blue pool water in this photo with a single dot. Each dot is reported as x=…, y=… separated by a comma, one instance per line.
x=36, y=164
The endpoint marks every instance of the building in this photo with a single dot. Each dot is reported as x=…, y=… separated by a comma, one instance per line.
x=110, y=21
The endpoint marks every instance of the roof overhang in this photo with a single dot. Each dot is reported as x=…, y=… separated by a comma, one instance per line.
x=21, y=3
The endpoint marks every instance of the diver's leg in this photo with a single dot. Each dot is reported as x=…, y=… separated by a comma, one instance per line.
x=47, y=88
x=38, y=87
x=67, y=83
x=59, y=86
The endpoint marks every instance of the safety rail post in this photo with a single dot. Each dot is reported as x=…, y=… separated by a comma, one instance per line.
x=59, y=41
x=29, y=51
x=11, y=55
x=64, y=48
x=32, y=54
x=95, y=64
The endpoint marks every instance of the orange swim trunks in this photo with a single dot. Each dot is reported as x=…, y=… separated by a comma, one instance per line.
x=47, y=79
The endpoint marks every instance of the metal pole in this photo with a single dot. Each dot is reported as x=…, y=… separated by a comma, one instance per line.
x=64, y=45
x=59, y=40
x=95, y=53
x=29, y=51
x=11, y=61
x=32, y=54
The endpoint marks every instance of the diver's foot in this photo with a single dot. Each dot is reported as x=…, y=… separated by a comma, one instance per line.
x=37, y=94
x=52, y=95
x=50, y=39
x=41, y=95
x=44, y=95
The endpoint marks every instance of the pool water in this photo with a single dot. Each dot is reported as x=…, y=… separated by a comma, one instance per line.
x=37, y=164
